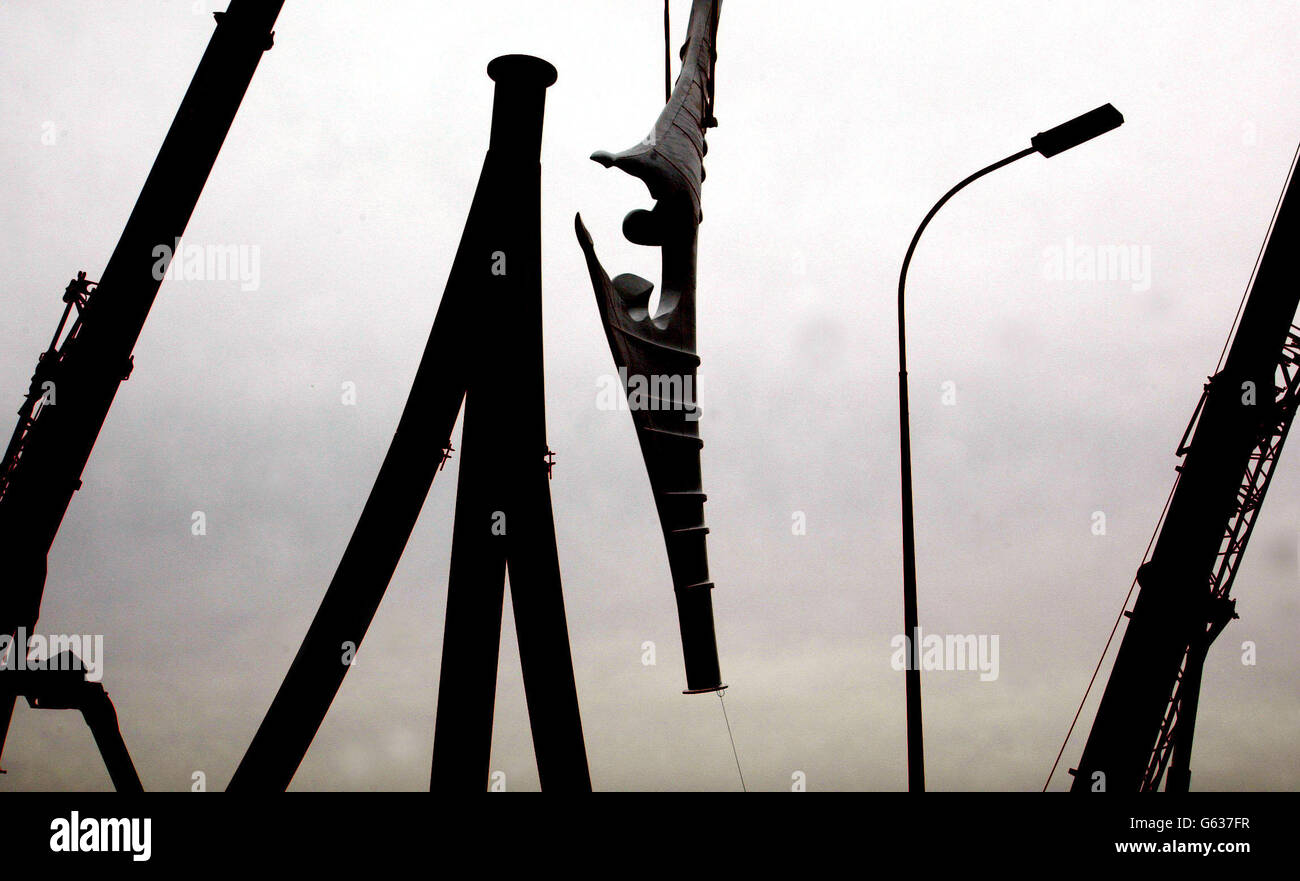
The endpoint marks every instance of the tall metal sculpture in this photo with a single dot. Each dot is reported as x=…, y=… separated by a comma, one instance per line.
x=656, y=353
x=485, y=348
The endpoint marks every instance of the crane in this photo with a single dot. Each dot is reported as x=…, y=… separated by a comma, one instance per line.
x=77, y=377
x=1146, y=720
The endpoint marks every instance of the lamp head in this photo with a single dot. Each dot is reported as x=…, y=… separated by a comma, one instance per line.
x=1076, y=131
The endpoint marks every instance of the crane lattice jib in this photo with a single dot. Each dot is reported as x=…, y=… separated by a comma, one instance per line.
x=1147, y=715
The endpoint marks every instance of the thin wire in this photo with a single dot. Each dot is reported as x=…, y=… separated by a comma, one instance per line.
x=1110, y=638
x=668, y=64
x=1258, y=257
x=723, y=704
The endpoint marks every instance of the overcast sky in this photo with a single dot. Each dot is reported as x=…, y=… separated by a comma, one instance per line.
x=350, y=169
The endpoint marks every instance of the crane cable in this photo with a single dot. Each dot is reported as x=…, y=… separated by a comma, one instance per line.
x=735, y=754
x=668, y=55
x=1109, y=639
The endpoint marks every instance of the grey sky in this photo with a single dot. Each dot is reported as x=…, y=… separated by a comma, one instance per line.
x=350, y=168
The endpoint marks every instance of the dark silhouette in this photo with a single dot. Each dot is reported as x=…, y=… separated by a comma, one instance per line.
x=62, y=685
x=658, y=351
x=1147, y=715
x=1049, y=143
x=48, y=451
x=485, y=348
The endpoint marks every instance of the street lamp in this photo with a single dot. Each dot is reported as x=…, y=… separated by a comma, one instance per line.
x=1049, y=143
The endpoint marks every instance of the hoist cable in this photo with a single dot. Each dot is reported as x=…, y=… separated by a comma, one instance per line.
x=735, y=754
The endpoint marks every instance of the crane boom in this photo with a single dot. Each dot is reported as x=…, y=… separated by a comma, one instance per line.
x=49, y=449
x=1147, y=715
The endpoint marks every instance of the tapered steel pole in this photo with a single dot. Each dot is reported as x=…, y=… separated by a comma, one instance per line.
x=485, y=348
x=503, y=506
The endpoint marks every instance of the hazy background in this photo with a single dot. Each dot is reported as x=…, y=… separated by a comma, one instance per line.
x=351, y=166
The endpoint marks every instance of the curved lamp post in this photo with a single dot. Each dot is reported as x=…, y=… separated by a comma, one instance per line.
x=1049, y=143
